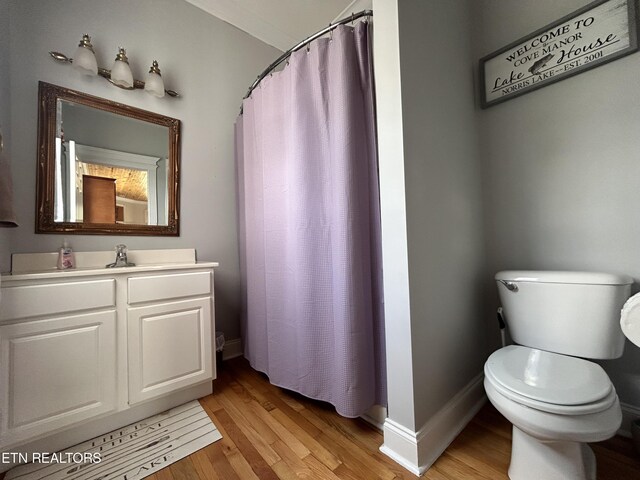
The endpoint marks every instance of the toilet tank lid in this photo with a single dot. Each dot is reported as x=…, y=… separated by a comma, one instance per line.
x=586, y=278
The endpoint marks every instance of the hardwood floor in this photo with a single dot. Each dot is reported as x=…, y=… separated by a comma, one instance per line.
x=269, y=433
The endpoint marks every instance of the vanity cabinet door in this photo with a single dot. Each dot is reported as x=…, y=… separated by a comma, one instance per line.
x=169, y=347
x=55, y=372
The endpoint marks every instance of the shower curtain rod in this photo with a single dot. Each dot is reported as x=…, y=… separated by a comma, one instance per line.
x=287, y=54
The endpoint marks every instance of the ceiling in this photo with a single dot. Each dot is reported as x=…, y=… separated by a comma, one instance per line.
x=131, y=184
x=280, y=23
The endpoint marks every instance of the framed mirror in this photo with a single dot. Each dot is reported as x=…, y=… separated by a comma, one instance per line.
x=105, y=168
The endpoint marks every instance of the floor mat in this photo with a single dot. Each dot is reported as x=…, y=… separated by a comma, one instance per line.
x=129, y=453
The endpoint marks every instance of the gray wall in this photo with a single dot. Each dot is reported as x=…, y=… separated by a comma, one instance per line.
x=431, y=204
x=5, y=113
x=561, y=166
x=207, y=60
x=443, y=197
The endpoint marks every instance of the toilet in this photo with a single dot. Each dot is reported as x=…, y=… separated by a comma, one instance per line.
x=556, y=399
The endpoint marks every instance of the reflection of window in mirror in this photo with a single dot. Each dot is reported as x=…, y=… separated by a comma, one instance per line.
x=130, y=153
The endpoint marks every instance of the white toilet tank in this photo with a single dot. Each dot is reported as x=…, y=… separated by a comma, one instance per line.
x=573, y=313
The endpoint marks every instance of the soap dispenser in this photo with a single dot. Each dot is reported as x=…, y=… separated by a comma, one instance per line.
x=66, y=259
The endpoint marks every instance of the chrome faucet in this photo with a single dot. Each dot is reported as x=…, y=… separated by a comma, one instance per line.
x=121, y=258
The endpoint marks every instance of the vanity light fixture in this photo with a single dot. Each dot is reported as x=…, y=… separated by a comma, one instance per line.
x=120, y=74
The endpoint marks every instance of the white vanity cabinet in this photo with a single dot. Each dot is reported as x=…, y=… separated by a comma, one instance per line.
x=57, y=368
x=169, y=335
x=108, y=346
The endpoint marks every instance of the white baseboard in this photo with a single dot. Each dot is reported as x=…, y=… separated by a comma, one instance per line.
x=376, y=416
x=417, y=451
x=232, y=349
x=401, y=445
x=629, y=414
x=436, y=435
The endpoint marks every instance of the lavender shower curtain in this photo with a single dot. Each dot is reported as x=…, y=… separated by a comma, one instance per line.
x=310, y=225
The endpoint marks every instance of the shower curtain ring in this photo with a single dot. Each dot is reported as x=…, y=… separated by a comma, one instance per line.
x=308, y=48
x=330, y=34
x=352, y=19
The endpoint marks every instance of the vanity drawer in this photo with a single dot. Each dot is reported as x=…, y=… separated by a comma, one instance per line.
x=163, y=287
x=55, y=298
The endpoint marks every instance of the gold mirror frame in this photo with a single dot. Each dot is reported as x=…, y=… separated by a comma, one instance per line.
x=48, y=96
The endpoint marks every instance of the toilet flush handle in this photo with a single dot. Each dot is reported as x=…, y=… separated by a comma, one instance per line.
x=512, y=287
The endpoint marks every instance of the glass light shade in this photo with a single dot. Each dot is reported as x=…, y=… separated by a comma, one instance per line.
x=154, y=85
x=120, y=72
x=85, y=59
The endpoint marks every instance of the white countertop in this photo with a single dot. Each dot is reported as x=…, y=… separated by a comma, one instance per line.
x=92, y=271
x=35, y=266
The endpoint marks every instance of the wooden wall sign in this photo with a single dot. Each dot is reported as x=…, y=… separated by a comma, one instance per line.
x=596, y=34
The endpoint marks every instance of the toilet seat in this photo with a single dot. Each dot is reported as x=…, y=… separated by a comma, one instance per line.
x=550, y=382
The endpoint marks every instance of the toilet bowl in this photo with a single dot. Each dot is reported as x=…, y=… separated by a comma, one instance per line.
x=630, y=324
x=556, y=404
x=556, y=399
